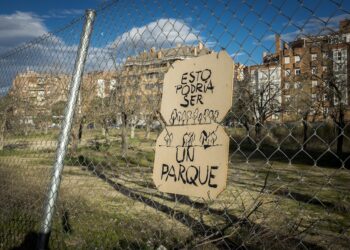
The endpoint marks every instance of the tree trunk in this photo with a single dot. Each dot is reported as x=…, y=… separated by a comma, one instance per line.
x=80, y=133
x=106, y=131
x=103, y=131
x=2, y=141
x=74, y=142
x=148, y=131
x=124, y=134
x=46, y=128
x=340, y=141
x=3, y=126
x=258, y=131
x=305, y=136
x=246, y=126
x=76, y=135
x=25, y=127
x=340, y=129
x=132, y=131
x=148, y=126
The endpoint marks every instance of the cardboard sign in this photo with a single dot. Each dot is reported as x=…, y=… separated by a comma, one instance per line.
x=192, y=160
x=198, y=90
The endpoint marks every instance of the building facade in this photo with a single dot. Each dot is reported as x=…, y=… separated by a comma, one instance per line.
x=136, y=86
x=265, y=91
x=35, y=94
x=140, y=80
x=314, y=75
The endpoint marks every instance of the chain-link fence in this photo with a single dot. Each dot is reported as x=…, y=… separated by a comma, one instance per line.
x=288, y=178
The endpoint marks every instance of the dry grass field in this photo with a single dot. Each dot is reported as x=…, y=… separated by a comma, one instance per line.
x=109, y=201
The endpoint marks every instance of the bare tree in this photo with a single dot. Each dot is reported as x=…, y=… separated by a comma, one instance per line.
x=101, y=111
x=337, y=83
x=124, y=104
x=24, y=108
x=309, y=102
x=264, y=98
x=6, y=114
x=242, y=98
x=128, y=103
x=118, y=100
x=151, y=99
x=83, y=111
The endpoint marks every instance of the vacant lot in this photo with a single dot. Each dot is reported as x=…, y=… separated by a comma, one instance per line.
x=109, y=200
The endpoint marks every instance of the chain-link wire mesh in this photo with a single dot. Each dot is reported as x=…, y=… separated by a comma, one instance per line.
x=34, y=87
x=288, y=177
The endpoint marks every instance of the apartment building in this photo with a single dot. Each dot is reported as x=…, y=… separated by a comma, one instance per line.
x=137, y=84
x=141, y=78
x=40, y=88
x=36, y=93
x=99, y=83
x=311, y=65
x=265, y=82
x=314, y=75
x=264, y=87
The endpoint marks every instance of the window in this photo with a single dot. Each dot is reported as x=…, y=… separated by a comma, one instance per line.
x=336, y=67
x=149, y=86
x=263, y=75
x=101, y=88
x=297, y=72
x=314, y=70
x=324, y=55
x=275, y=117
x=335, y=100
x=159, y=86
x=346, y=38
x=324, y=97
x=324, y=68
x=287, y=98
x=151, y=75
x=286, y=59
x=313, y=57
x=286, y=85
x=339, y=55
x=297, y=85
x=296, y=59
x=315, y=44
x=41, y=96
x=326, y=111
x=113, y=84
x=41, y=81
x=287, y=72
x=314, y=84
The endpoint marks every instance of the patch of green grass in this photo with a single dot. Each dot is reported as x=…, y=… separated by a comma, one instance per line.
x=36, y=134
x=14, y=227
x=9, y=152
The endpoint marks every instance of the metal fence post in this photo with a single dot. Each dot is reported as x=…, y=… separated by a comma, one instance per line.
x=65, y=131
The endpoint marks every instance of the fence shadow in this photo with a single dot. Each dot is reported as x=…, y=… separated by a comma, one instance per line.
x=297, y=156
x=199, y=228
x=30, y=241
